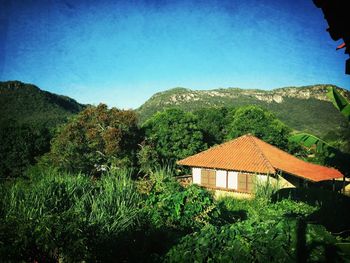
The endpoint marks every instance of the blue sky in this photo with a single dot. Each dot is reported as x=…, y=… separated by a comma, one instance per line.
x=122, y=52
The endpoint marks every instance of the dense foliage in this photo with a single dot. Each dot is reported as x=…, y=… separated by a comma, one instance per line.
x=262, y=124
x=175, y=134
x=56, y=216
x=270, y=237
x=96, y=137
x=20, y=145
x=173, y=206
x=61, y=214
x=214, y=122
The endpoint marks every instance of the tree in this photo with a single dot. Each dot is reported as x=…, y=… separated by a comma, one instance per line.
x=214, y=123
x=262, y=124
x=175, y=134
x=96, y=137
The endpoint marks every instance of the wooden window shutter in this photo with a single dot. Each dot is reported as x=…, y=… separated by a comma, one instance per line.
x=208, y=178
x=245, y=182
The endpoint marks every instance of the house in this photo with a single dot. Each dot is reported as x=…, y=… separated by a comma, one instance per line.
x=238, y=165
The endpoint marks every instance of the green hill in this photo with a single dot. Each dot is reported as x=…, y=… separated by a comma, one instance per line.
x=27, y=104
x=28, y=118
x=304, y=108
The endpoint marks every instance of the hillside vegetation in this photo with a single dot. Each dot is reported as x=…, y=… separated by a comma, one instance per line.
x=305, y=108
x=27, y=104
x=28, y=119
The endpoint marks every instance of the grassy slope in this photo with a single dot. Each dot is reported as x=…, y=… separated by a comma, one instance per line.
x=309, y=114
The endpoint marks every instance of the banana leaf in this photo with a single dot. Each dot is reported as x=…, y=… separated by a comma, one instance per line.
x=339, y=101
x=311, y=141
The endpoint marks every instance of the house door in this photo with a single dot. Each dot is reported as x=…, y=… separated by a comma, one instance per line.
x=208, y=178
x=245, y=182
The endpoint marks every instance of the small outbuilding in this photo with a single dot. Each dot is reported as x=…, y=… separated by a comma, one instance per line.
x=238, y=165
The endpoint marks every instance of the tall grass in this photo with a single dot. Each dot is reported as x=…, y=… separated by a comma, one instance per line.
x=266, y=189
x=115, y=203
x=60, y=216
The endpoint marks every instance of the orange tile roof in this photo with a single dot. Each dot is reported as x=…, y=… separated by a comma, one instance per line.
x=250, y=154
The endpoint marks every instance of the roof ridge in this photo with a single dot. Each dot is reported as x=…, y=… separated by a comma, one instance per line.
x=261, y=152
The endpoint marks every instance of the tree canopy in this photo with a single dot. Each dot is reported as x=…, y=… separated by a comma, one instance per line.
x=96, y=137
x=214, y=123
x=175, y=134
x=261, y=123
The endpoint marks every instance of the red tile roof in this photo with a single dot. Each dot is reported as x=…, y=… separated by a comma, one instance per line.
x=250, y=154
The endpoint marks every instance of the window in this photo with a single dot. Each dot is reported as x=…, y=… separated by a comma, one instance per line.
x=208, y=178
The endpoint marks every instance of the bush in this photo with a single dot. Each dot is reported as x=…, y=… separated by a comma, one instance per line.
x=271, y=234
x=171, y=205
x=249, y=241
x=333, y=212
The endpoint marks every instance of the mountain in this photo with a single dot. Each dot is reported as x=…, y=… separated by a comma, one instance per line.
x=27, y=104
x=306, y=108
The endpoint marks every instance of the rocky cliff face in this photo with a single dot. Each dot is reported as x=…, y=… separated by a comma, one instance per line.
x=180, y=95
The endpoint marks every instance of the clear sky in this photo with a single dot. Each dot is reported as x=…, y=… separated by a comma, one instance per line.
x=122, y=52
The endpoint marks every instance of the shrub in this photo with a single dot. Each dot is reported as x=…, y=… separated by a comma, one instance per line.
x=171, y=205
x=270, y=235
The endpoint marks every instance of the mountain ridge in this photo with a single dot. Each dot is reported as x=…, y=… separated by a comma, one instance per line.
x=26, y=103
x=305, y=108
x=308, y=105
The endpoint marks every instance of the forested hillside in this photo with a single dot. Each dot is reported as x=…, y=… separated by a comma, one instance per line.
x=302, y=108
x=26, y=103
x=28, y=118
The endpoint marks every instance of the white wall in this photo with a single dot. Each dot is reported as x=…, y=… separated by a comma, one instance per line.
x=221, y=178
x=261, y=178
x=196, y=175
x=232, y=180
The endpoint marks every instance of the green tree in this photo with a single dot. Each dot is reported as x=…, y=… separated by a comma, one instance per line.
x=214, y=123
x=260, y=123
x=96, y=137
x=175, y=134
